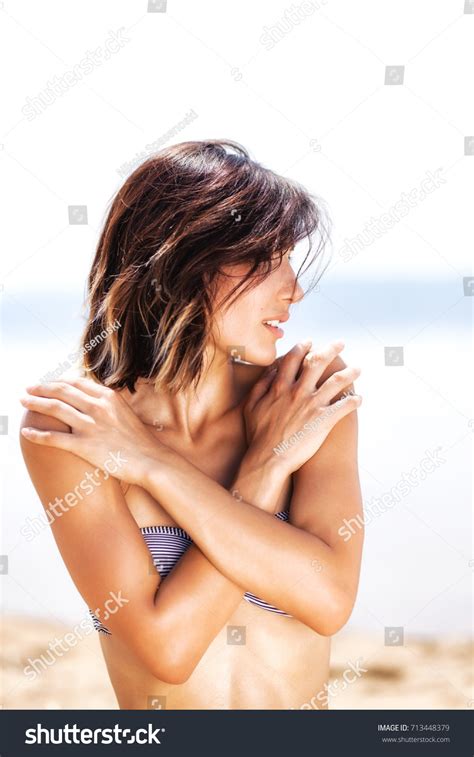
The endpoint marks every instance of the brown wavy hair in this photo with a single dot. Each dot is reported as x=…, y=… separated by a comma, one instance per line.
x=178, y=218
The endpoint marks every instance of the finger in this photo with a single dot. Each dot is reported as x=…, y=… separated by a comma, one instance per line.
x=315, y=363
x=56, y=439
x=333, y=413
x=290, y=363
x=336, y=383
x=87, y=386
x=90, y=387
x=65, y=391
x=261, y=386
x=60, y=410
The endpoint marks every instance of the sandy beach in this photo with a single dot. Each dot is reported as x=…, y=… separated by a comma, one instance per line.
x=365, y=674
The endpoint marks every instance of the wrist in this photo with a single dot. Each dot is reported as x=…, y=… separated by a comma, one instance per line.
x=150, y=466
x=259, y=481
x=268, y=465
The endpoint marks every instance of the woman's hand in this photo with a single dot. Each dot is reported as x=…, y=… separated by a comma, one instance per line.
x=103, y=426
x=287, y=418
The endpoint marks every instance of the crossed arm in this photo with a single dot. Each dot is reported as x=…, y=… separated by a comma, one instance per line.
x=303, y=567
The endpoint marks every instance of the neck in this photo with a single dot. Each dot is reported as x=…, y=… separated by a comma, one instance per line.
x=190, y=411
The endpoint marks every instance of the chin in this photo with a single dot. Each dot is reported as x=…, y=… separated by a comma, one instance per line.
x=263, y=356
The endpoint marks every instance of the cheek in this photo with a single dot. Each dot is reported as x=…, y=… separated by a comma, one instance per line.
x=242, y=334
x=239, y=330
x=237, y=325
x=246, y=314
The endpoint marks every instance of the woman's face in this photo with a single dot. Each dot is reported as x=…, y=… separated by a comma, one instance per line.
x=242, y=330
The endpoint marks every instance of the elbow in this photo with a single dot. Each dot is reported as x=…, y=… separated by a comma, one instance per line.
x=337, y=611
x=169, y=665
x=167, y=672
x=173, y=662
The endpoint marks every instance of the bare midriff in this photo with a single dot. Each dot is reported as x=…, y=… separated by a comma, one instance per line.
x=282, y=665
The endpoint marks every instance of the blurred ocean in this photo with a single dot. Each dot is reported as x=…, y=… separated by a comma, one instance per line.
x=417, y=567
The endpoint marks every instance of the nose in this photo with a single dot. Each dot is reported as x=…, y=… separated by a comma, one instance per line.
x=298, y=292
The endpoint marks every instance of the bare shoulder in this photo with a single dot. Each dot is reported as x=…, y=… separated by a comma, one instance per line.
x=336, y=365
x=41, y=458
x=46, y=465
x=247, y=374
x=43, y=423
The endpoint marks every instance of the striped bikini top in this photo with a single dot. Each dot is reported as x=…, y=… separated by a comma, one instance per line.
x=166, y=545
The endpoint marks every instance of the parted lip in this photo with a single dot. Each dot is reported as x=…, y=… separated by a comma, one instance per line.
x=283, y=317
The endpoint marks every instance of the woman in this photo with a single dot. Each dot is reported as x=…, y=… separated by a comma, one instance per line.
x=207, y=544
